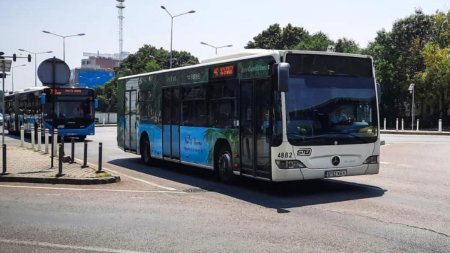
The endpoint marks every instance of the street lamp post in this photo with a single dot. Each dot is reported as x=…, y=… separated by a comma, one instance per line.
x=35, y=65
x=64, y=40
x=206, y=44
x=411, y=90
x=12, y=75
x=171, y=28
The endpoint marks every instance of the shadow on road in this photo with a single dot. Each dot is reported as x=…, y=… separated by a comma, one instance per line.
x=278, y=196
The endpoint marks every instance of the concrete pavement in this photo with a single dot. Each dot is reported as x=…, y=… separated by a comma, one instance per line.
x=27, y=165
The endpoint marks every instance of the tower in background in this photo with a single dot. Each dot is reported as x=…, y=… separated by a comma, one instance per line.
x=120, y=6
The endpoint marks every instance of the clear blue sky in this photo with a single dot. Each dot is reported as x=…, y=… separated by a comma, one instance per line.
x=215, y=22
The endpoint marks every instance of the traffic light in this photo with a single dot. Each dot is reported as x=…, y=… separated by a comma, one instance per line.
x=29, y=57
x=1, y=57
x=14, y=57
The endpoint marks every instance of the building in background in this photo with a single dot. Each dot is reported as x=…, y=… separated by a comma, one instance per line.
x=96, y=70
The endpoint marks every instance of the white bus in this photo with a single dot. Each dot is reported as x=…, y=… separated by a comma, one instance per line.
x=276, y=115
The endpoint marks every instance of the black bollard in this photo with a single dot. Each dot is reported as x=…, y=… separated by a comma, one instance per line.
x=72, y=156
x=63, y=146
x=99, y=170
x=60, y=162
x=85, y=155
x=4, y=159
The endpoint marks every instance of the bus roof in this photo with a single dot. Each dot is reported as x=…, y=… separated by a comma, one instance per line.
x=248, y=54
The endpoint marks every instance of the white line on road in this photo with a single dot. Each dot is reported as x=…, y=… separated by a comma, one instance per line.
x=134, y=178
x=84, y=189
x=63, y=246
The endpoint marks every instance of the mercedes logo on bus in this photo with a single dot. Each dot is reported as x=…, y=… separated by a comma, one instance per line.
x=335, y=160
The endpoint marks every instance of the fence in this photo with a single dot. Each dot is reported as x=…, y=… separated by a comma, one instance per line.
x=105, y=118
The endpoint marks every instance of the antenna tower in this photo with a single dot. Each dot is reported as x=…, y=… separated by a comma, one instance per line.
x=120, y=6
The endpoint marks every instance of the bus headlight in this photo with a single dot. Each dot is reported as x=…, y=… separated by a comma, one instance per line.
x=289, y=164
x=371, y=160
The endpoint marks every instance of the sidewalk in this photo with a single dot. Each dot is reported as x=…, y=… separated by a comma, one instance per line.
x=413, y=132
x=26, y=165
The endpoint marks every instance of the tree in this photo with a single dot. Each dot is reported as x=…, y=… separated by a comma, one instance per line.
x=276, y=38
x=146, y=59
x=436, y=76
x=316, y=42
x=345, y=45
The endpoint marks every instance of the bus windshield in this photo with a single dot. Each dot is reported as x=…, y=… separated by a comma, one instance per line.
x=73, y=107
x=330, y=110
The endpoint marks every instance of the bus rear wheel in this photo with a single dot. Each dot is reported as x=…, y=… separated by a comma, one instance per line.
x=223, y=165
x=145, y=151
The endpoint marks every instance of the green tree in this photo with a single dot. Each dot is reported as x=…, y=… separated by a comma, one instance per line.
x=345, y=45
x=316, y=42
x=436, y=76
x=147, y=59
x=276, y=38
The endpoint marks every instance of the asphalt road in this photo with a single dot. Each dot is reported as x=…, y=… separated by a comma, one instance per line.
x=169, y=208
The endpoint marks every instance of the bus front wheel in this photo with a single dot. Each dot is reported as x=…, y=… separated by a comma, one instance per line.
x=145, y=151
x=223, y=165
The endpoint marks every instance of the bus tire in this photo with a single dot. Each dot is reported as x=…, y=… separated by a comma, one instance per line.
x=223, y=165
x=145, y=150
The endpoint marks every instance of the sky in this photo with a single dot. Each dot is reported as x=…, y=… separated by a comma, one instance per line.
x=217, y=23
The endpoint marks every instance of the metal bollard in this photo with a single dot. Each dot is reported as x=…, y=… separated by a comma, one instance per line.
x=85, y=155
x=39, y=134
x=22, y=135
x=55, y=142
x=417, y=124
x=4, y=159
x=32, y=138
x=63, y=145
x=60, y=161
x=440, y=125
x=99, y=170
x=403, y=124
x=396, y=124
x=46, y=140
x=72, y=155
x=384, y=123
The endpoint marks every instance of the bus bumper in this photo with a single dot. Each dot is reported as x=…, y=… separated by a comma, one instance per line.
x=280, y=175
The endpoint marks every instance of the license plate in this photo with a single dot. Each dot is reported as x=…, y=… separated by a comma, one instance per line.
x=336, y=173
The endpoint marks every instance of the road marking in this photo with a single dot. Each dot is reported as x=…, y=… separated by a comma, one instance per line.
x=84, y=189
x=64, y=246
x=134, y=178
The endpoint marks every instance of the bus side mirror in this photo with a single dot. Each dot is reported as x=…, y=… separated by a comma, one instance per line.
x=43, y=99
x=96, y=103
x=281, y=76
x=379, y=92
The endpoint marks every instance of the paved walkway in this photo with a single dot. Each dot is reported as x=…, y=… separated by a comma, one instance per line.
x=26, y=165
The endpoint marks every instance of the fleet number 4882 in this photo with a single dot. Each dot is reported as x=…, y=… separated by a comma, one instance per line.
x=285, y=155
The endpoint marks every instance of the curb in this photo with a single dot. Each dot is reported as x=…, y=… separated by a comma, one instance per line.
x=59, y=180
x=410, y=132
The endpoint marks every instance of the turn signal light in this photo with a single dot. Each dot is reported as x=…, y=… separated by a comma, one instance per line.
x=289, y=164
x=371, y=160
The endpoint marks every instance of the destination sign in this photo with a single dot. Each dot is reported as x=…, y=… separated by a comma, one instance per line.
x=59, y=92
x=223, y=71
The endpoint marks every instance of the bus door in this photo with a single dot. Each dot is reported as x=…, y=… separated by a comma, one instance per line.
x=130, y=120
x=255, y=102
x=171, y=103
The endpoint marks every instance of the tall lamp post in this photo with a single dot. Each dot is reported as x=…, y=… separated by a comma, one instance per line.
x=64, y=40
x=12, y=75
x=35, y=65
x=206, y=44
x=171, y=28
x=411, y=90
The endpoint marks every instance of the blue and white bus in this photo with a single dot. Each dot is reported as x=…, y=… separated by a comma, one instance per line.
x=275, y=115
x=33, y=107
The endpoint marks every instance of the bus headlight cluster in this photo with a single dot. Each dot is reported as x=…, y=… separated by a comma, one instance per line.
x=371, y=160
x=289, y=164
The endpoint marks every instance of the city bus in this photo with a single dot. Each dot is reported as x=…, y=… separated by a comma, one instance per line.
x=276, y=115
x=33, y=107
